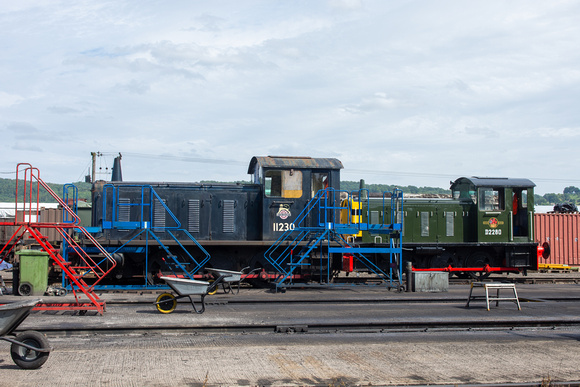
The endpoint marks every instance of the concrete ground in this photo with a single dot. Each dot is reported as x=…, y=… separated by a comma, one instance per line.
x=419, y=358
x=144, y=351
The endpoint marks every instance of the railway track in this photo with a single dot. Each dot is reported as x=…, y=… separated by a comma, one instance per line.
x=147, y=299
x=270, y=315
x=563, y=278
x=531, y=280
x=323, y=328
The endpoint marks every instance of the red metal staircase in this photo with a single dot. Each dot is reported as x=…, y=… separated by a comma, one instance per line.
x=27, y=223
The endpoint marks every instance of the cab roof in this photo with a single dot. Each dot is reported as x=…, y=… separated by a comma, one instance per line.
x=499, y=182
x=293, y=162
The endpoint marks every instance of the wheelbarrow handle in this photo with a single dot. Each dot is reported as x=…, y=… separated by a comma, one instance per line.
x=213, y=286
x=244, y=276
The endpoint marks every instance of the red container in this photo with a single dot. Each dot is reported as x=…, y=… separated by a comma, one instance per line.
x=562, y=232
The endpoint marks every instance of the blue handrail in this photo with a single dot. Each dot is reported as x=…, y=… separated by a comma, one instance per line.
x=320, y=221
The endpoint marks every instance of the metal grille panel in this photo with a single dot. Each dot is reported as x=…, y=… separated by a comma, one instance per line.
x=158, y=214
x=229, y=217
x=193, y=215
x=124, y=209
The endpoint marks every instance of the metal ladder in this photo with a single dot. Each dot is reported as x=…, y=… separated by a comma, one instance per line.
x=27, y=222
x=318, y=228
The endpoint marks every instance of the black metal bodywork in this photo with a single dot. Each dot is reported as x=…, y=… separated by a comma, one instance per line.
x=235, y=223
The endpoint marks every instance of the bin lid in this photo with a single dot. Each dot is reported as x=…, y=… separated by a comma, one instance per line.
x=31, y=252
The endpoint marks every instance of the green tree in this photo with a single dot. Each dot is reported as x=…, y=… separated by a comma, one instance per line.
x=552, y=198
x=572, y=190
x=540, y=200
x=8, y=191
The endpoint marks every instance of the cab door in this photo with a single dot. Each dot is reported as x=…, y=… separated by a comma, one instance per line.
x=522, y=217
x=493, y=219
x=284, y=199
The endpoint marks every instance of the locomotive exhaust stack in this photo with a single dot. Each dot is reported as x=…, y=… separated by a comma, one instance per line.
x=116, y=174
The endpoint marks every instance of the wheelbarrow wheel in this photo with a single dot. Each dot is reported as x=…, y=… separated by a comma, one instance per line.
x=166, y=303
x=26, y=358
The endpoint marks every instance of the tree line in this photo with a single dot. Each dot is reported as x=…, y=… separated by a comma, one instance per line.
x=571, y=194
x=8, y=191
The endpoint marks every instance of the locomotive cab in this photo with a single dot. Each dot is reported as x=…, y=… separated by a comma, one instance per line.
x=502, y=208
x=288, y=184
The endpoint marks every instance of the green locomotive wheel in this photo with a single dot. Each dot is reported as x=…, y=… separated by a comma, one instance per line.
x=478, y=259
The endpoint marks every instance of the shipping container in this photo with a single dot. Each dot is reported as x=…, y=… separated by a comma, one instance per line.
x=49, y=214
x=561, y=231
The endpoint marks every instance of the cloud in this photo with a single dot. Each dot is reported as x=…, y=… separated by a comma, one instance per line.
x=22, y=128
x=7, y=100
x=566, y=133
x=485, y=132
x=402, y=86
x=135, y=87
x=346, y=4
x=459, y=86
x=207, y=22
x=62, y=110
x=26, y=146
x=379, y=101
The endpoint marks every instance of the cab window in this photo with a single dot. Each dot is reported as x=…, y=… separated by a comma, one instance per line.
x=319, y=182
x=283, y=183
x=491, y=199
x=524, y=199
x=465, y=191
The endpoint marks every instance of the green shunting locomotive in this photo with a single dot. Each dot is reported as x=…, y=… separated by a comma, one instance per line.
x=486, y=226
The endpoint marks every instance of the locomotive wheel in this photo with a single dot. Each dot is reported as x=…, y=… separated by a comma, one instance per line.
x=30, y=359
x=443, y=260
x=166, y=303
x=478, y=259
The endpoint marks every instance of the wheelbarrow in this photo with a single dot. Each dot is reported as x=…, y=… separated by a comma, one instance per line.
x=167, y=302
x=229, y=277
x=29, y=349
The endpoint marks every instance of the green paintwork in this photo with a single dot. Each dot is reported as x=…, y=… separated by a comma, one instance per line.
x=481, y=211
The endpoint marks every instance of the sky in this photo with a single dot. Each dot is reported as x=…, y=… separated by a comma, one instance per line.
x=404, y=92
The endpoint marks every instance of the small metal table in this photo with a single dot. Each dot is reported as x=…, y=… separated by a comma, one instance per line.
x=487, y=286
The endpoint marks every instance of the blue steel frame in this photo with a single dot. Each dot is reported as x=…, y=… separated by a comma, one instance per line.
x=319, y=225
x=147, y=228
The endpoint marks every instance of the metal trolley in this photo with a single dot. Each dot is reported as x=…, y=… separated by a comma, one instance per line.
x=30, y=349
